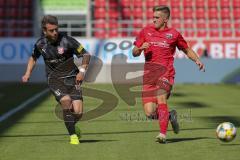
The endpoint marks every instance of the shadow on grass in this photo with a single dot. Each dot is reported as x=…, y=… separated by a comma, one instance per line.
x=98, y=133
x=6, y=124
x=175, y=140
x=229, y=144
x=95, y=141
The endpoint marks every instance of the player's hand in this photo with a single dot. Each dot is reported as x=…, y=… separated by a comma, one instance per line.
x=145, y=45
x=79, y=78
x=200, y=65
x=25, y=78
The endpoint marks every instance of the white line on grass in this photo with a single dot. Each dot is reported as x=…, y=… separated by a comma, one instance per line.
x=23, y=105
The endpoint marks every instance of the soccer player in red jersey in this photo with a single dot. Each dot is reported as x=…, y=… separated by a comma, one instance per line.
x=159, y=44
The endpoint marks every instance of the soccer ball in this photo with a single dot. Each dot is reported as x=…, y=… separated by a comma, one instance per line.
x=226, y=131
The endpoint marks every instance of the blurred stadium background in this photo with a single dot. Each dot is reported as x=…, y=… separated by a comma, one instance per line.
x=210, y=26
x=107, y=29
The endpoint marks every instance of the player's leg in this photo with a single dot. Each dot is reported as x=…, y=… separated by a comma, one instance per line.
x=69, y=118
x=163, y=115
x=78, y=112
x=149, y=101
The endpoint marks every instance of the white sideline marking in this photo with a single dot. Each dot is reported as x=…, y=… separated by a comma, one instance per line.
x=23, y=105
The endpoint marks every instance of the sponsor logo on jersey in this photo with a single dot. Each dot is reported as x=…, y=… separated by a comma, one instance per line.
x=169, y=36
x=79, y=49
x=60, y=50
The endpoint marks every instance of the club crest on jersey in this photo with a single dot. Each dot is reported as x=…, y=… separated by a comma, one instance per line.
x=60, y=50
x=169, y=36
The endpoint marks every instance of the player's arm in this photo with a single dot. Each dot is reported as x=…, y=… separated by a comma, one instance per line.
x=31, y=63
x=194, y=57
x=80, y=52
x=137, y=51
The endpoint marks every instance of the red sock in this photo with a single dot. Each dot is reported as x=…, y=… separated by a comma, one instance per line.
x=163, y=117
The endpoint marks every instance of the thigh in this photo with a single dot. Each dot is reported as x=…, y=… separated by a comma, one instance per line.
x=149, y=108
x=149, y=94
x=78, y=106
x=57, y=87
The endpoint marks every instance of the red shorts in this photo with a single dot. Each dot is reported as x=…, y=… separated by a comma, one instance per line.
x=153, y=81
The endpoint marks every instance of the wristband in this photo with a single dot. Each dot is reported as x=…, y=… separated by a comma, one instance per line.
x=81, y=69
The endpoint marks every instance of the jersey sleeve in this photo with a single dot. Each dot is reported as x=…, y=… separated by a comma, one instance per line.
x=77, y=47
x=36, y=54
x=181, y=43
x=139, y=39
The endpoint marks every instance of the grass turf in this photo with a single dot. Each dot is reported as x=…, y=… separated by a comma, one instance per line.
x=124, y=133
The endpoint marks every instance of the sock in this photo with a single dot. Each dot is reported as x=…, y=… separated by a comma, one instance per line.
x=76, y=118
x=69, y=121
x=163, y=117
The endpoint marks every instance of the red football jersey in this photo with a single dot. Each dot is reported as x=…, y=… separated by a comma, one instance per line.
x=163, y=44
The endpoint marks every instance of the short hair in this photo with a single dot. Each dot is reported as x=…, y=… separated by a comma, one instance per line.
x=49, y=19
x=164, y=9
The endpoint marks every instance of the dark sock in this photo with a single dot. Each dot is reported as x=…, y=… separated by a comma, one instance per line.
x=69, y=121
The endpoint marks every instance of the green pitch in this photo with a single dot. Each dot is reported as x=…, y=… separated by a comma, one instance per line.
x=124, y=133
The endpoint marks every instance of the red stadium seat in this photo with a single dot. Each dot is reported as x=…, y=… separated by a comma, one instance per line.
x=200, y=3
x=126, y=3
x=175, y=3
x=135, y=32
x=226, y=24
x=150, y=3
x=13, y=3
x=27, y=3
x=100, y=3
x=213, y=23
x=225, y=13
x=113, y=33
x=188, y=3
x=100, y=34
x=113, y=4
x=12, y=13
x=236, y=13
x=138, y=13
x=113, y=13
x=188, y=13
x=236, y=3
x=237, y=24
x=26, y=13
x=188, y=23
x=2, y=13
x=100, y=13
x=214, y=33
x=201, y=33
x=127, y=13
x=138, y=23
x=113, y=24
x=100, y=24
x=213, y=13
x=176, y=23
x=176, y=13
x=200, y=13
x=213, y=3
x=189, y=33
x=149, y=13
x=225, y=3
x=162, y=2
x=227, y=33
x=237, y=32
x=201, y=24
x=137, y=3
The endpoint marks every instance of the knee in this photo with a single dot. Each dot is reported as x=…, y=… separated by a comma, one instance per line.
x=162, y=99
x=148, y=113
x=66, y=102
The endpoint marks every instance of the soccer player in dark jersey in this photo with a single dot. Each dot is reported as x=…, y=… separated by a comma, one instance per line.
x=64, y=77
x=159, y=42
